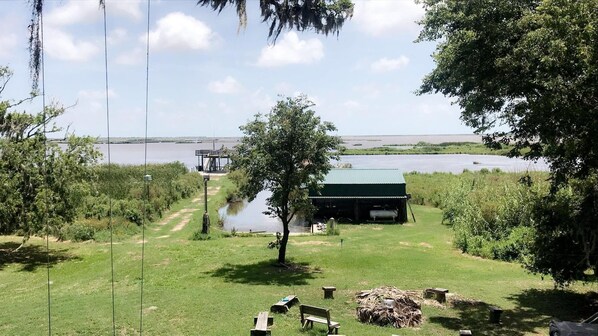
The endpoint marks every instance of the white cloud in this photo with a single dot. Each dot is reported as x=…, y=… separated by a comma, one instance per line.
x=377, y=17
x=96, y=94
x=291, y=50
x=129, y=8
x=7, y=43
x=261, y=101
x=352, y=104
x=63, y=46
x=368, y=91
x=179, y=32
x=227, y=85
x=131, y=57
x=389, y=64
x=117, y=35
x=77, y=11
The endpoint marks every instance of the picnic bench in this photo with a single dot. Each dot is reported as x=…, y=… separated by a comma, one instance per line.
x=262, y=321
x=311, y=314
x=284, y=304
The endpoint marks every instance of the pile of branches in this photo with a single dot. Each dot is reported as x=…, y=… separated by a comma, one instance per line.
x=389, y=306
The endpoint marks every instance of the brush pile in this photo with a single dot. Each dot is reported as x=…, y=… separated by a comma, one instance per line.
x=385, y=306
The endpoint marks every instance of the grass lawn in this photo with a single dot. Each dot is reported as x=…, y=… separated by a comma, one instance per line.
x=216, y=286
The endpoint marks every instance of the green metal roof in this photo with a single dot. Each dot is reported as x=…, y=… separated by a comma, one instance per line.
x=364, y=176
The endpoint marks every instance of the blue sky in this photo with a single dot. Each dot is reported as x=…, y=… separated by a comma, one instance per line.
x=206, y=78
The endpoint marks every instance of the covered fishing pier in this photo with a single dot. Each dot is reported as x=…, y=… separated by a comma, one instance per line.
x=211, y=160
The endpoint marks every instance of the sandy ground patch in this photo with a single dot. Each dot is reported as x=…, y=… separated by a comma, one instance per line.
x=169, y=218
x=182, y=224
x=377, y=228
x=213, y=190
x=196, y=199
x=424, y=244
x=404, y=243
x=162, y=237
x=150, y=309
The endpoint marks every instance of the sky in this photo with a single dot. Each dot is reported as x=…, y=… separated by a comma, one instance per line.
x=207, y=77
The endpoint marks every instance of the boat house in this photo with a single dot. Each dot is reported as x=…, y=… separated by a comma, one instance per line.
x=362, y=195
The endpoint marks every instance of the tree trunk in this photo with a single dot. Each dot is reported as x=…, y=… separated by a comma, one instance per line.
x=283, y=243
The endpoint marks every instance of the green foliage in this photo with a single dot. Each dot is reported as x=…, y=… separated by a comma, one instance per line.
x=565, y=244
x=286, y=152
x=491, y=212
x=125, y=188
x=197, y=235
x=43, y=184
x=549, y=46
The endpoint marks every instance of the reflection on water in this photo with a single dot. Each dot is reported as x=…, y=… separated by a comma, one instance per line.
x=233, y=208
x=249, y=216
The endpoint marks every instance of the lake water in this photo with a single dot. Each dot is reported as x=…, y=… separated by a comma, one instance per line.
x=454, y=163
x=244, y=216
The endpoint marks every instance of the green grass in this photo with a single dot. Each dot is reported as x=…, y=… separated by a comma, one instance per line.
x=216, y=286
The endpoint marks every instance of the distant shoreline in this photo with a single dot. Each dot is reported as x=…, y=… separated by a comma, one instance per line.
x=349, y=141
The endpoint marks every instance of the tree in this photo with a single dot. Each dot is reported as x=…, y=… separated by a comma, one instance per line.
x=530, y=67
x=285, y=152
x=565, y=243
x=42, y=183
x=323, y=16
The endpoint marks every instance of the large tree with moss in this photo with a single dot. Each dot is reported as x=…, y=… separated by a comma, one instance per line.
x=525, y=72
x=285, y=152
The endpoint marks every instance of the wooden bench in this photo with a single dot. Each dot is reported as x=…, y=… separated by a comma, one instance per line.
x=311, y=314
x=262, y=321
x=438, y=293
x=284, y=304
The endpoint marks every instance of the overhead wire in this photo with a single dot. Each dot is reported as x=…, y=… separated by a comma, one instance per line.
x=44, y=170
x=110, y=222
x=146, y=176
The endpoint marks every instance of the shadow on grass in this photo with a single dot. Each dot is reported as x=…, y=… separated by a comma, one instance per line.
x=562, y=304
x=30, y=257
x=534, y=310
x=266, y=273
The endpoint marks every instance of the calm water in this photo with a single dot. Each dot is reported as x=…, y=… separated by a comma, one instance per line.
x=454, y=163
x=249, y=216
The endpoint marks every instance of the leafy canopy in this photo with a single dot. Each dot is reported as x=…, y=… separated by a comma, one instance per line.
x=285, y=152
x=42, y=183
x=530, y=66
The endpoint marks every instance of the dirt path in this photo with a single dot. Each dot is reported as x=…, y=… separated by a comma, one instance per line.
x=182, y=224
